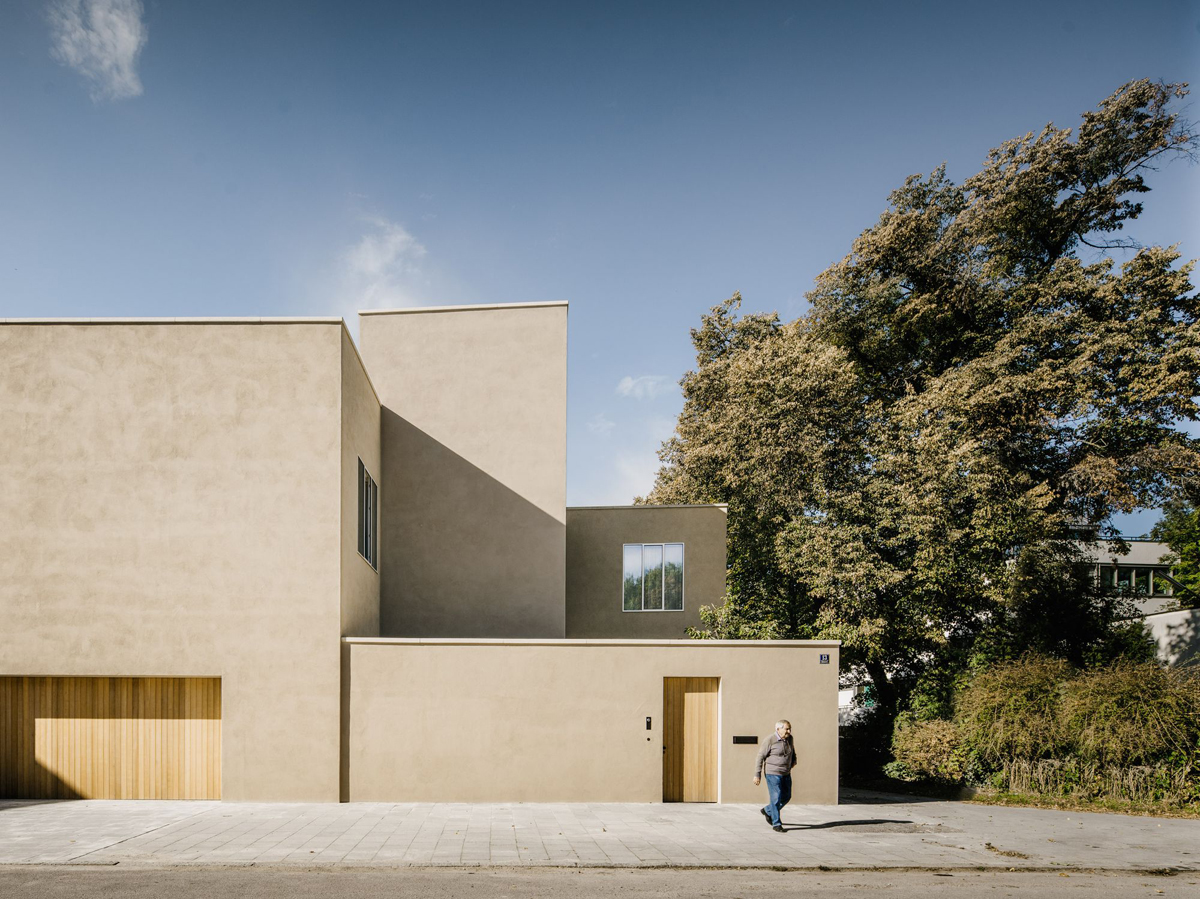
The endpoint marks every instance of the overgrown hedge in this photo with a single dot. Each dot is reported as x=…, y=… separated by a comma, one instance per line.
x=1129, y=731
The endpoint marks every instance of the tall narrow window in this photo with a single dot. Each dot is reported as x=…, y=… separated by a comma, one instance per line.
x=633, y=578
x=673, y=577
x=652, y=577
x=368, y=516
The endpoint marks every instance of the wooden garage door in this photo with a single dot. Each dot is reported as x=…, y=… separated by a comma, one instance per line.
x=690, y=739
x=110, y=737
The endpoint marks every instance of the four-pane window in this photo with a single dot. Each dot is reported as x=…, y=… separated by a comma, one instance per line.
x=653, y=577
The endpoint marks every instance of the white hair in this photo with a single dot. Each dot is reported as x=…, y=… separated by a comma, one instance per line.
x=782, y=722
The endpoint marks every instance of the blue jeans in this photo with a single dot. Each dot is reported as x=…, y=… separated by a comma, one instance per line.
x=779, y=789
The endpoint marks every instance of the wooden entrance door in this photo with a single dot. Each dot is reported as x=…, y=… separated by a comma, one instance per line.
x=110, y=737
x=690, y=739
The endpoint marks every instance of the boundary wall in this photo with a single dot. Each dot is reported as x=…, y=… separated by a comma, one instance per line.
x=596, y=536
x=565, y=720
x=1176, y=635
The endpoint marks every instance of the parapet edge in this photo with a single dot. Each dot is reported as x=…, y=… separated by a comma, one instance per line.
x=408, y=310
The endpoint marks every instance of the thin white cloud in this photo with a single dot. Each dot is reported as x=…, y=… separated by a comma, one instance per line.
x=101, y=40
x=382, y=268
x=660, y=428
x=600, y=425
x=646, y=387
x=635, y=468
x=634, y=475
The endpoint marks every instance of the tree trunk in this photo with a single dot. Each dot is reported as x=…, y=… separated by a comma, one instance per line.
x=885, y=692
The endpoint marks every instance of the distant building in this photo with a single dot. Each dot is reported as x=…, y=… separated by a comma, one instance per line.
x=1138, y=573
x=1141, y=574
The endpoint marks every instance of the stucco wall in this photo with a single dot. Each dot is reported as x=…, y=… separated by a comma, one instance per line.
x=1177, y=635
x=170, y=505
x=360, y=440
x=545, y=721
x=473, y=539
x=1141, y=552
x=595, y=537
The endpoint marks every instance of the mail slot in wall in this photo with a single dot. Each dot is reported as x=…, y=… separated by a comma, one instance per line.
x=745, y=739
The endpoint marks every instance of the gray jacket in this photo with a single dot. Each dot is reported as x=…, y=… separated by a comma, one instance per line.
x=779, y=755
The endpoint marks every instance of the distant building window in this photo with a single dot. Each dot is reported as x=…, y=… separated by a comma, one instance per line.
x=653, y=577
x=368, y=517
x=1137, y=580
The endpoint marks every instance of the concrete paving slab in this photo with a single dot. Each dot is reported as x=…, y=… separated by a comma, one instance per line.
x=866, y=832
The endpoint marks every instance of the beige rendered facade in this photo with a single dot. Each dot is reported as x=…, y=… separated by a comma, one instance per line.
x=475, y=462
x=596, y=536
x=555, y=720
x=348, y=558
x=173, y=505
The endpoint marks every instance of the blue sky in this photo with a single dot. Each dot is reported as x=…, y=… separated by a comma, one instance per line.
x=642, y=161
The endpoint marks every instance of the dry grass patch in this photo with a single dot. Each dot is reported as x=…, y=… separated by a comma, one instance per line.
x=1071, y=804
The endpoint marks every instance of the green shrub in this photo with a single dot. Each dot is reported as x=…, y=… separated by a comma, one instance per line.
x=1132, y=714
x=1129, y=732
x=929, y=749
x=1012, y=710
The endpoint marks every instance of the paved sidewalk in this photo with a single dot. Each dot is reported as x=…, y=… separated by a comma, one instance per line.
x=866, y=832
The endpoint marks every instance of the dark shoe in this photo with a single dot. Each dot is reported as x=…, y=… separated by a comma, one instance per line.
x=778, y=828
x=764, y=814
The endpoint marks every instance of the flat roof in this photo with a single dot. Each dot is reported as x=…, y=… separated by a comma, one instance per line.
x=651, y=506
x=563, y=641
x=195, y=320
x=407, y=310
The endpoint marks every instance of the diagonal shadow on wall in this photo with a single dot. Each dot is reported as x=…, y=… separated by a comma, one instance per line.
x=462, y=554
x=1180, y=644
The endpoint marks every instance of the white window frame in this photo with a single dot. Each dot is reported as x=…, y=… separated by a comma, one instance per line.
x=682, y=579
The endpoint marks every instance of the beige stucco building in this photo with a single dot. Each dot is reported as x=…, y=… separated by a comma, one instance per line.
x=238, y=559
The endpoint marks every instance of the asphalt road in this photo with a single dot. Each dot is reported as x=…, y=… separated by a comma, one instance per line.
x=70, y=882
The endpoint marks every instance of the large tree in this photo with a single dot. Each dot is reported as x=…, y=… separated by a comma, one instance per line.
x=905, y=464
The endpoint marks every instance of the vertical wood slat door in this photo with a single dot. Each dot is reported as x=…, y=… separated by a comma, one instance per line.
x=690, y=739
x=110, y=737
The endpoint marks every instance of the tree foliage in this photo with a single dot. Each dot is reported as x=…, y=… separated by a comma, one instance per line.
x=904, y=464
x=1124, y=731
x=1180, y=530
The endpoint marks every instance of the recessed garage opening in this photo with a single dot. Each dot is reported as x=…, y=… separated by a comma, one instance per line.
x=110, y=737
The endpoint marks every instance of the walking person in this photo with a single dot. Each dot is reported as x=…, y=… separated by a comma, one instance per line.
x=778, y=756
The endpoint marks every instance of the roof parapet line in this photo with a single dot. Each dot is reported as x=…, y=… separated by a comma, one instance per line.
x=406, y=310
